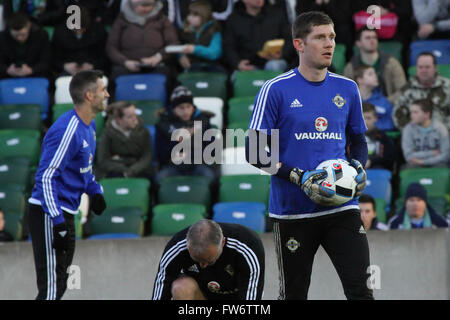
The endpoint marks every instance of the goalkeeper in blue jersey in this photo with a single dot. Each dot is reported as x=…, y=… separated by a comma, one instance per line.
x=316, y=115
x=63, y=175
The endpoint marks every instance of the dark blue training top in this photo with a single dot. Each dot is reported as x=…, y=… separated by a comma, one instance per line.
x=313, y=119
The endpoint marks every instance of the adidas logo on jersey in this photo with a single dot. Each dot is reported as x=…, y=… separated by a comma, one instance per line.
x=361, y=230
x=85, y=144
x=193, y=268
x=296, y=104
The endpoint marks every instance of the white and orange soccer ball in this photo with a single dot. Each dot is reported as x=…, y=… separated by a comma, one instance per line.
x=340, y=178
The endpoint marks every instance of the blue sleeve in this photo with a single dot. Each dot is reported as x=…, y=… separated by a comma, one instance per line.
x=358, y=148
x=59, y=149
x=356, y=124
x=93, y=187
x=265, y=111
x=211, y=52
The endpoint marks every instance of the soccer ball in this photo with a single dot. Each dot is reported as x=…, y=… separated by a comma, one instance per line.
x=340, y=179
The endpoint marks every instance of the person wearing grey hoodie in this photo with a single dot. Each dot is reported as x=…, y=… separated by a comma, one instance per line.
x=425, y=142
x=138, y=37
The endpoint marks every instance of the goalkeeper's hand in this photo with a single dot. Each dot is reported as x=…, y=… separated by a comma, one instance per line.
x=307, y=180
x=361, y=177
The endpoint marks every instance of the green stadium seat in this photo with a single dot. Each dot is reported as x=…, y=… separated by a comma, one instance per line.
x=339, y=58
x=205, y=84
x=248, y=83
x=12, y=199
x=50, y=30
x=13, y=224
x=119, y=220
x=20, y=144
x=443, y=70
x=244, y=188
x=60, y=109
x=126, y=192
x=240, y=109
x=168, y=219
x=185, y=189
x=13, y=172
x=148, y=110
x=21, y=116
x=381, y=209
x=435, y=180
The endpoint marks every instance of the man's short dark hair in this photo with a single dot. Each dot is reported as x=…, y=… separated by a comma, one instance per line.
x=18, y=21
x=427, y=53
x=359, y=71
x=368, y=107
x=82, y=82
x=425, y=105
x=360, y=32
x=303, y=24
x=365, y=198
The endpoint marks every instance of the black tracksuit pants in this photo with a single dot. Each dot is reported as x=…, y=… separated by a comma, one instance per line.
x=51, y=264
x=340, y=234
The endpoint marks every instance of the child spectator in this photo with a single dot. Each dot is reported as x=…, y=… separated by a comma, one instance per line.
x=380, y=146
x=370, y=91
x=425, y=142
x=182, y=114
x=202, y=38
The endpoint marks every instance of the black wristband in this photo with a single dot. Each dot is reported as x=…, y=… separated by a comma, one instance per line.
x=284, y=172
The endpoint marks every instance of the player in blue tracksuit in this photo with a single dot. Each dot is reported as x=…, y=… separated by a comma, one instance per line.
x=63, y=175
x=317, y=116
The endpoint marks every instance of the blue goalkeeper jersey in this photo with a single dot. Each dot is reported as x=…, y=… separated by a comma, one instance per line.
x=312, y=119
x=65, y=167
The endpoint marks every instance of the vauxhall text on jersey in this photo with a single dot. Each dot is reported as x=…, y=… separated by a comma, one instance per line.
x=313, y=120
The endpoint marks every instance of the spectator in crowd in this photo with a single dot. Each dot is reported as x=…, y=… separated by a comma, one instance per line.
x=340, y=11
x=125, y=149
x=249, y=27
x=368, y=206
x=178, y=10
x=202, y=38
x=389, y=70
x=380, y=146
x=102, y=11
x=394, y=22
x=370, y=91
x=426, y=84
x=417, y=213
x=42, y=12
x=24, y=49
x=138, y=37
x=79, y=49
x=182, y=114
x=433, y=17
x=425, y=142
x=4, y=235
